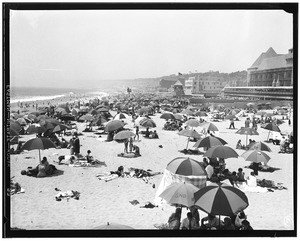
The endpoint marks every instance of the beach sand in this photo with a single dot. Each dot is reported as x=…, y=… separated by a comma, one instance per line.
x=101, y=202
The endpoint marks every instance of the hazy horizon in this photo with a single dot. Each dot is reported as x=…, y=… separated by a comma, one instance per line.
x=86, y=49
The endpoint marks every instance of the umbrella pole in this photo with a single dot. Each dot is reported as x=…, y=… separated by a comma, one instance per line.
x=40, y=155
x=246, y=139
x=268, y=136
x=187, y=143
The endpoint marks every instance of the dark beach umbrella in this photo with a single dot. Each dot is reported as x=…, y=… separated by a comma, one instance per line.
x=187, y=112
x=186, y=167
x=221, y=152
x=147, y=123
x=255, y=156
x=38, y=144
x=277, y=122
x=22, y=121
x=35, y=129
x=67, y=117
x=122, y=135
x=60, y=128
x=221, y=199
x=210, y=141
x=114, y=125
x=15, y=125
x=102, y=109
x=87, y=117
x=99, y=120
x=167, y=116
x=259, y=146
x=13, y=133
x=270, y=127
x=247, y=131
x=113, y=226
x=180, y=194
x=200, y=113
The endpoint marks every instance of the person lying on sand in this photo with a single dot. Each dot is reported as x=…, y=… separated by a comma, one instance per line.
x=42, y=170
x=140, y=173
x=112, y=175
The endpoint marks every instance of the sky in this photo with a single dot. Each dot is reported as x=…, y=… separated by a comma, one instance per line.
x=86, y=48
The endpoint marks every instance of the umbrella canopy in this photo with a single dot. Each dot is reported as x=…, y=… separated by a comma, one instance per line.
x=192, y=123
x=167, y=116
x=186, y=167
x=178, y=116
x=255, y=156
x=114, y=125
x=187, y=112
x=271, y=127
x=113, y=226
x=221, y=199
x=15, y=125
x=38, y=144
x=67, y=117
x=35, y=129
x=230, y=117
x=22, y=121
x=122, y=135
x=180, y=194
x=200, y=113
x=247, y=131
x=259, y=146
x=233, y=112
x=208, y=126
x=250, y=104
x=221, y=152
x=13, y=133
x=261, y=112
x=87, y=117
x=210, y=141
x=189, y=133
x=93, y=112
x=60, y=128
x=147, y=123
x=121, y=116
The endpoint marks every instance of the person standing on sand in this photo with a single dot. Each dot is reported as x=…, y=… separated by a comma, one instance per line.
x=231, y=124
x=137, y=132
x=76, y=144
x=130, y=144
x=126, y=146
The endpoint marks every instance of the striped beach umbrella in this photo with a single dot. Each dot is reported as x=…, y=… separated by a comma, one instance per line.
x=147, y=123
x=270, y=127
x=121, y=116
x=221, y=199
x=186, y=167
x=260, y=146
x=247, y=131
x=208, y=126
x=210, y=141
x=180, y=194
x=255, y=156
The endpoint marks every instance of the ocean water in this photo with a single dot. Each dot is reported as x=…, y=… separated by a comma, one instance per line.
x=23, y=94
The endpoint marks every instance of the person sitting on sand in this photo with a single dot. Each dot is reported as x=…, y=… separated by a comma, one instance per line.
x=154, y=135
x=228, y=225
x=112, y=175
x=136, y=150
x=246, y=225
x=188, y=223
x=233, y=179
x=239, y=145
x=42, y=170
x=89, y=157
x=174, y=220
x=126, y=146
x=239, y=219
x=147, y=133
x=251, y=180
x=211, y=222
x=70, y=159
x=241, y=175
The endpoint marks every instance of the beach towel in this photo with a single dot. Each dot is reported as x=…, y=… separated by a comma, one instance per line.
x=127, y=155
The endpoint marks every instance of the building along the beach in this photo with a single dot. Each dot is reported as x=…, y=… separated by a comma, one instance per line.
x=209, y=86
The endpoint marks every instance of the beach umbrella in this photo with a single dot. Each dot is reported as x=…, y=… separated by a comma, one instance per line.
x=256, y=156
x=233, y=112
x=167, y=116
x=87, y=117
x=208, y=126
x=67, y=117
x=31, y=117
x=210, y=141
x=180, y=194
x=187, y=112
x=13, y=132
x=38, y=143
x=82, y=111
x=186, y=166
x=37, y=129
x=122, y=135
x=147, y=123
x=200, y=113
x=42, y=117
x=221, y=152
x=113, y=226
x=15, y=125
x=221, y=199
x=60, y=128
x=270, y=127
x=47, y=125
x=22, y=121
x=260, y=146
x=190, y=134
x=114, y=125
x=250, y=104
x=230, y=117
x=121, y=116
x=192, y=123
x=145, y=110
x=178, y=117
x=277, y=122
x=261, y=113
x=99, y=120
x=93, y=112
x=247, y=131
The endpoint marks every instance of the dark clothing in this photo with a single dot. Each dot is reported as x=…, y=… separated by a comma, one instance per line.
x=76, y=146
x=255, y=167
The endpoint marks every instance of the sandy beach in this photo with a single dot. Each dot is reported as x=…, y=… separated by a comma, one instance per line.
x=101, y=202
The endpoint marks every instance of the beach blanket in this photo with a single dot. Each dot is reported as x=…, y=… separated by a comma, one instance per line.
x=127, y=155
x=84, y=163
x=67, y=195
